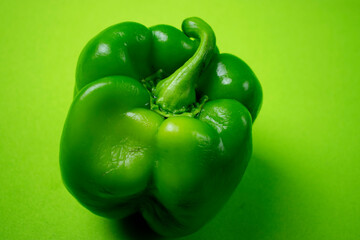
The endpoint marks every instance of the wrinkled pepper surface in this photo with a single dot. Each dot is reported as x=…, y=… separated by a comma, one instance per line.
x=160, y=124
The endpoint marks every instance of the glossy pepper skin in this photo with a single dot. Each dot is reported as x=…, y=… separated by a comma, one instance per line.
x=160, y=124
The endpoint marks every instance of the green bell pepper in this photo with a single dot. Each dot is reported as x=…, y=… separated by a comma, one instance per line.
x=160, y=124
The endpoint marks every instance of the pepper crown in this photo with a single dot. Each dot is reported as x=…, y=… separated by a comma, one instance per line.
x=176, y=93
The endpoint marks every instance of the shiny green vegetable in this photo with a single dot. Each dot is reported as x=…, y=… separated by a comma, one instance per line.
x=160, y=124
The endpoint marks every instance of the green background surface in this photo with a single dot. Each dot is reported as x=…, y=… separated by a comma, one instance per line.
x=303, y=181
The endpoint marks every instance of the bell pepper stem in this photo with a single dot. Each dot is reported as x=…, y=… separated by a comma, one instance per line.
x=177, y=92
